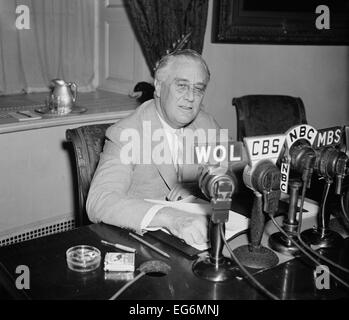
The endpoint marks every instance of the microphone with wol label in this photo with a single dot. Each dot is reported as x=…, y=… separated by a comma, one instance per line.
x=217, y=183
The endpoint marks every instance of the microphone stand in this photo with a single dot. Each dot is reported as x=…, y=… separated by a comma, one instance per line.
x=331, y=164
x=214, y=266
x=322, y=236
x=254, y=255
x=278, y=241
x=264, y=181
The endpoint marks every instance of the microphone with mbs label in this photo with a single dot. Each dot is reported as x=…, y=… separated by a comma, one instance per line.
x=331, y=166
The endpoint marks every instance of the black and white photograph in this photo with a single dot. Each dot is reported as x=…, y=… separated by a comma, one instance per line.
x=174, y=156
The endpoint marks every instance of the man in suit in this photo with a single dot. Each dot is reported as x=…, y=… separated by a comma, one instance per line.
x=129, y=172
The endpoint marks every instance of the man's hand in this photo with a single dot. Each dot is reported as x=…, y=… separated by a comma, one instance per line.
x=182, y=192
x=192, y=228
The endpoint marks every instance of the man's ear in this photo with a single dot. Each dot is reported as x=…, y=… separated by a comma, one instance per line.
x=157, y=85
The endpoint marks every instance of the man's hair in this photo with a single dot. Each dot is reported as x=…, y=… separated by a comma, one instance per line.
x=163, y=65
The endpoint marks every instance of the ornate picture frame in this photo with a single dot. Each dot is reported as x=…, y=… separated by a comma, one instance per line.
x=280, y=22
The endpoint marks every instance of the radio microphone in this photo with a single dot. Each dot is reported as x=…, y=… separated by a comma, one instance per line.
x=264, y=179
x=262, y=176
x=302, y=160
x=218, y=184
x=298, y=161
x=217, y=180
x=331, y=165
x=278, y=241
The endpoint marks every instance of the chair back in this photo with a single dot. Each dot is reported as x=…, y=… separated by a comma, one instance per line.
x=88, y=142
x=267, y=114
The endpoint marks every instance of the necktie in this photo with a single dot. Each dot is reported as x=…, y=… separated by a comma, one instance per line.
x=178, y=149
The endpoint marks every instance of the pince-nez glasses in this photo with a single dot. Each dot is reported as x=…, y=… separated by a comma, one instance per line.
x=183, y=88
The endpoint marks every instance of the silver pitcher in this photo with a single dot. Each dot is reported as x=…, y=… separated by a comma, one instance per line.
x=62, y=96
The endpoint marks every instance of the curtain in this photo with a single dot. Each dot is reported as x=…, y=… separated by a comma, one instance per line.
x=160, y=23
x=58, y=44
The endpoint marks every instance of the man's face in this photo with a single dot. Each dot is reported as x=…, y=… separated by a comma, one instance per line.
x=181, y=92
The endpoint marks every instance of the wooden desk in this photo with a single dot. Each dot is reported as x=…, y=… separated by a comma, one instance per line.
x=50, y=278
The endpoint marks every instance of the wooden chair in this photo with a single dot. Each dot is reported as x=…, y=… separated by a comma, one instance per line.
x=88, y=142
x=267, y=114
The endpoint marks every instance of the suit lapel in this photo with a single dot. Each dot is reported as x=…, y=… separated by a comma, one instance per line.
x=166, y=170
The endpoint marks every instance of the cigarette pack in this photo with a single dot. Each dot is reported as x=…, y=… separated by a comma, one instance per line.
x=119, y=261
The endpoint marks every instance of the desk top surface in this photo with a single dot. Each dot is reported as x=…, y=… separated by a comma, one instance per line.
x=50, y=278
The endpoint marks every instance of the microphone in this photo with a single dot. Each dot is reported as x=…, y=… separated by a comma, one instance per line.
x=278, y=241
x=218, y=184
x=264, y=180
x=298, y=161
x=288, y=240
x=302, y=161
x=331, y=165
x=263, y=177
x=215, y=167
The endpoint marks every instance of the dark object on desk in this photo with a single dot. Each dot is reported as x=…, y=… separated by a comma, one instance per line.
x=144, y=91
x=175, y=243
x=154, y=266
x=267, y=114
x=149, y=245
x=87, y=143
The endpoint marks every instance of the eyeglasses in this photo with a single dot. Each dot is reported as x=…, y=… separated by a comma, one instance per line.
x=183, y=87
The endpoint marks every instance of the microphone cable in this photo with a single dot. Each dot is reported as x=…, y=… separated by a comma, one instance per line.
x=244, y=270
x=303, y=243
x=127, y=284
x=305, y=252
x=343, y=209
x=319, y=256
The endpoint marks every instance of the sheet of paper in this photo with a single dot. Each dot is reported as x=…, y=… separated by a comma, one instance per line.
x=235, y=224
x=25, y=115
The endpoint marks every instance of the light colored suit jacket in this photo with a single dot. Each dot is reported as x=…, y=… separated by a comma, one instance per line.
x=118, y=190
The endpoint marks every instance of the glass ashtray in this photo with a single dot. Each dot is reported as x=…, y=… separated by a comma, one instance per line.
x=83, y=258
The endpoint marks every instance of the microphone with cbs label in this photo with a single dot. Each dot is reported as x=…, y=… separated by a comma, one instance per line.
x=262, y=176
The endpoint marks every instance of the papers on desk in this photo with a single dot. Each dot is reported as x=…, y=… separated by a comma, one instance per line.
x=235, y=224
x=25, y=115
